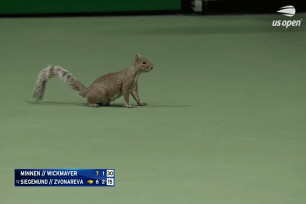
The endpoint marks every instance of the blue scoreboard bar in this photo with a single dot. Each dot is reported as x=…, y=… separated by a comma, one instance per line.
x=65, y=177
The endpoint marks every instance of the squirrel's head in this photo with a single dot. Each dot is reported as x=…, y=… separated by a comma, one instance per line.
x=142, y=64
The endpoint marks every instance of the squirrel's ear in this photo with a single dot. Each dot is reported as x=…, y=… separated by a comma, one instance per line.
x=137, y=57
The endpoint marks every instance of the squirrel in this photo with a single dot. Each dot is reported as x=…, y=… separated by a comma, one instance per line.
x=104, y=89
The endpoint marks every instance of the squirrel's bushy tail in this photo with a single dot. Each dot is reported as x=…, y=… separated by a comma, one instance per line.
x=63, y=74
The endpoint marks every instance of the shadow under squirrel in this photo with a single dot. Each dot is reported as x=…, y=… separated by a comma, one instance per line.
x=104, y=89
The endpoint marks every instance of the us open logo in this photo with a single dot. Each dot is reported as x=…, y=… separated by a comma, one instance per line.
x=290, y=12
x=287, y=11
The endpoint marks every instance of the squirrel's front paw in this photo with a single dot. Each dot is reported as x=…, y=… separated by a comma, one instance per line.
x=128, y=105
x=143, y=104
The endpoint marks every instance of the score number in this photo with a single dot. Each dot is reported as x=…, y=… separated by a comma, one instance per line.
x=110, y=181
x=110, y=173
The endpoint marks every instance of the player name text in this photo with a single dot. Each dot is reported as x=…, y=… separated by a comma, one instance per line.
x=48, y=173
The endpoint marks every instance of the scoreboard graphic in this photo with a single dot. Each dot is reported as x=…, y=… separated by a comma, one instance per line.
x=65, y=177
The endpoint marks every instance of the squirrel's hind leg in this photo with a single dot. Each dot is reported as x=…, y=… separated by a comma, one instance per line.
x=96, y=97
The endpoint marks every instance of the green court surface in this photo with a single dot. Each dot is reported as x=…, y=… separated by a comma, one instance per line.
x=225, y=121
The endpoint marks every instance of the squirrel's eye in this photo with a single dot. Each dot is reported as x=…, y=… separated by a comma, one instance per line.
x=143, y=62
